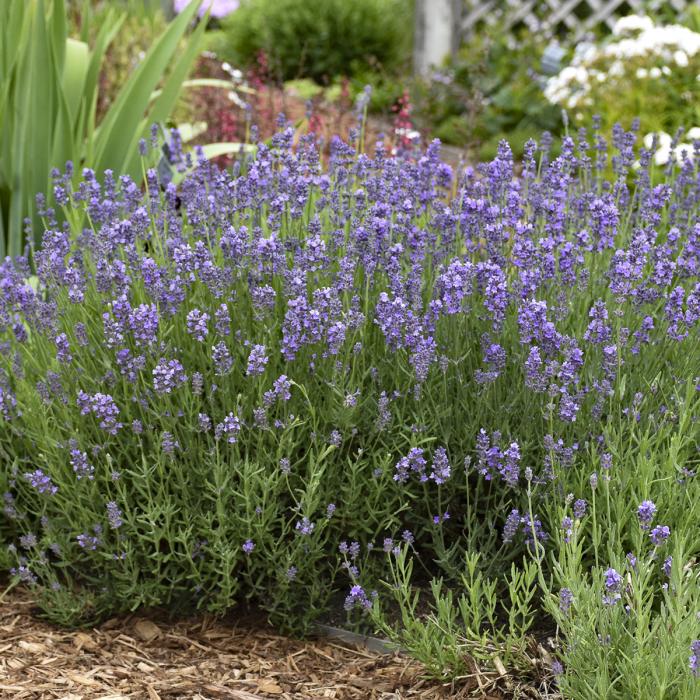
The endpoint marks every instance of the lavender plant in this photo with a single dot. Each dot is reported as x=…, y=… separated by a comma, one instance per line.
x=269, y=386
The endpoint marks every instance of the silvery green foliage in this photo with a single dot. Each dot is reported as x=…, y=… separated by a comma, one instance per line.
x=272, y=385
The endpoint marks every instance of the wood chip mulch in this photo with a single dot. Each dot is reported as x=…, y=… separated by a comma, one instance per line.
x=139, y=657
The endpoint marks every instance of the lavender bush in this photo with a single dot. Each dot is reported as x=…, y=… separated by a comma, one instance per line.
x=284, y=385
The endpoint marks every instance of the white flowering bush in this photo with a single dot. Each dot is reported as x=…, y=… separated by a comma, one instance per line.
x=643, y=69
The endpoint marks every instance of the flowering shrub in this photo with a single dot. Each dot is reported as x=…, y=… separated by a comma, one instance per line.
x=644, y=69
x=273, y=386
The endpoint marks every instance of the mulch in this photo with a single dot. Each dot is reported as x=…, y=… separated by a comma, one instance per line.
x=203, y=658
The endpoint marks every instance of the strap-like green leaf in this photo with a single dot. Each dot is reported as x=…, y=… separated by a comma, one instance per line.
x=165, y=102
x=75, y=69
x=40, y=113
x=59, y=31
x=121, y=123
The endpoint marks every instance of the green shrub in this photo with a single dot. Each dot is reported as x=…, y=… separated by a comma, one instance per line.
x=318, y=39
x=272, y=387
x=488, y=92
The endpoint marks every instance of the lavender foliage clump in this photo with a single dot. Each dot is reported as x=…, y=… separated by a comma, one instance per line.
x=191, y=378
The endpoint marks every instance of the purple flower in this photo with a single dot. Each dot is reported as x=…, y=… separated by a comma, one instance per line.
x=659, y=535
x=694, y=661
x=257, y=360
x=102, y=406
x=580, y=508
x=566, y=598
x=248, y=546
x=440, y=519
x=221, y=357
x=41, y=482
x=222, y=320
x=87, y=541
x=218, y=8
x=613, y=580
x=280, y=391
x=197, y=324
x=413, y=462
x=204, y=422
x=114, y=515
x=24, y=574
x=384, y=418
x=28, y=541
x=613, y=584
x=168, y=443
x=599, y=331
x=567, y=525
x=143, y=323
x=81, y=466
x=168, y=375
x=63, y=349
x=512, y=525
x=357, y=598
x=533, y=530
x=197, y=383
x=441, y=466
x=228, y=428
x=645, y=513
x=351, y=399
x=305, y=526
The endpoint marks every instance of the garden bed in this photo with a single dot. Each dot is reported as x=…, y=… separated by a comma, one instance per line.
x=139, y=656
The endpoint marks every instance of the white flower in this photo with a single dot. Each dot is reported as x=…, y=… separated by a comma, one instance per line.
x=655, y=72
x=617, y=68
x=694, y=133
x=661, y=157
x=666, y=70
x=664, y=140
x=684, y=151
x=632, y=23
x=681, y=58
x=642, y=73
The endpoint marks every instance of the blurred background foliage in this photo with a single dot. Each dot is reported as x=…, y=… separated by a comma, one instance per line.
x=327, y=51
x=318, y=39
x=311, y=60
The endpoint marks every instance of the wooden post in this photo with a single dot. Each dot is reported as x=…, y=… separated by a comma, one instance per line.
x=167, y=7
x=436, y=32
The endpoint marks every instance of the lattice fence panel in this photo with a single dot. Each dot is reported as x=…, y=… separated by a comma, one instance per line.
x=555, y=17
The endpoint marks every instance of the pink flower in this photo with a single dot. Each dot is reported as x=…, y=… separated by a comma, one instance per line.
x=219, y=8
